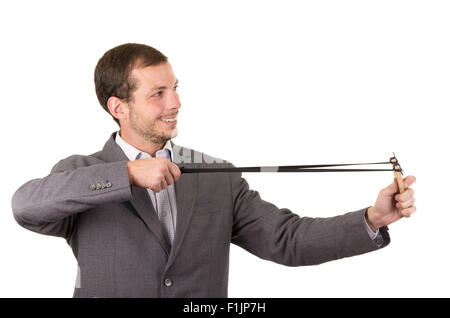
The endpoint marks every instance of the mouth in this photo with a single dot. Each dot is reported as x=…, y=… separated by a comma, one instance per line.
x=169, y=121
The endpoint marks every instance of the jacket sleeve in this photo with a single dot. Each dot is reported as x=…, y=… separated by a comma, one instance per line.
x=282, y=236
x=50, y=205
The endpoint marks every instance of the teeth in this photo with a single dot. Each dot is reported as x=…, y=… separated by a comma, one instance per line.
x=168, y=120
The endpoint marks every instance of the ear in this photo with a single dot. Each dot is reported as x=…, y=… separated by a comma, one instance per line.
x=118, y=108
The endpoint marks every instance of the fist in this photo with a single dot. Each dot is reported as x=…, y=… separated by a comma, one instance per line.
x=152, y=173
x=390, y=206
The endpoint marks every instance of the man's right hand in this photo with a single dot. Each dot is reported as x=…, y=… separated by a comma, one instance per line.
x=152, y=173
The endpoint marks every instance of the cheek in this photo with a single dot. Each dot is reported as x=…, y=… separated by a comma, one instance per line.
x=156, y=109
x=151, y=112
x=156, y=113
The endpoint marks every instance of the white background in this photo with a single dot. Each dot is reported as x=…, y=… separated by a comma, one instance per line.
x=261, y=83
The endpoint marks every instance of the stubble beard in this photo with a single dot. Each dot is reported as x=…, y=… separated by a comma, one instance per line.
x=149, y=132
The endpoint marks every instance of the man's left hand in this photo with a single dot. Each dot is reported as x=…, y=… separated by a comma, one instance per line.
x=391, y=206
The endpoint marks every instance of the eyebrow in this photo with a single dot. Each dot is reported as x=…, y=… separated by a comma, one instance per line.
x=162, y=87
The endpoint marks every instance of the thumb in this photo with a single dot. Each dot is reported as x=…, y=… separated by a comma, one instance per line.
x=391, y=189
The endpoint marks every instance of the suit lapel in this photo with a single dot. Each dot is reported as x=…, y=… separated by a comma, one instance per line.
x=141, y=200
x=186, y=194
x=144, y=207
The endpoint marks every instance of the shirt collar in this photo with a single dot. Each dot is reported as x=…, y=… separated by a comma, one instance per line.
x=132, y=153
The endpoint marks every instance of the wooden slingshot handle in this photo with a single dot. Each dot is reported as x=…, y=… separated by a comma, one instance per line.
x=398, y=175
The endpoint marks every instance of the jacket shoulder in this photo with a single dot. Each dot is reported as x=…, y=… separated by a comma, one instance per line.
x=185, y=155
x=76, y=161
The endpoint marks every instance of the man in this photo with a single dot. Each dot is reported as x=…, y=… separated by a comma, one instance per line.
x=138, y=228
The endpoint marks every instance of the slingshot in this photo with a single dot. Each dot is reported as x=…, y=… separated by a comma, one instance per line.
x=398, y=172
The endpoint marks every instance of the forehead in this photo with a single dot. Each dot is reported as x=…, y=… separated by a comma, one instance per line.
x=154, y=74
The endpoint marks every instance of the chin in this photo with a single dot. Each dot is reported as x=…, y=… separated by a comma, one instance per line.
x=174, y=133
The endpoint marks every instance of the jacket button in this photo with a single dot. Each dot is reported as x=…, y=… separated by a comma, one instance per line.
x=98, y=186
x=92, y=187
x=168, y=282
x=108, y=184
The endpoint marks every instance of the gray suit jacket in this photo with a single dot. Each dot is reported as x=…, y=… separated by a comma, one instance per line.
x=121, y=247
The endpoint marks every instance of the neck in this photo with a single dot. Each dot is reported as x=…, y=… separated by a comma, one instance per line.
x=140, y=143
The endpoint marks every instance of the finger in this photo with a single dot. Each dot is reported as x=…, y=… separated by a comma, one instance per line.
x=168, y=177
x=156, y=189
x=391, y=189
x=408, y=181
x=163, y=184
x=407, y=212
x=175, y=171
x=405, y=204
x=405, y=196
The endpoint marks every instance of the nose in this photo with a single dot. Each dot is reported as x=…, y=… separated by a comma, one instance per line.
x=174, y=101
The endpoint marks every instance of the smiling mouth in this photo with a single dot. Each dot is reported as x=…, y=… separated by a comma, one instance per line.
x=168, y=120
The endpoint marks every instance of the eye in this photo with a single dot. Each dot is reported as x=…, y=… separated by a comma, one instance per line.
x=157, y=94
x=175, y=87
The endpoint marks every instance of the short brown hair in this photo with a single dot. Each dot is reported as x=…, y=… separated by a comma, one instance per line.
x=112, y=73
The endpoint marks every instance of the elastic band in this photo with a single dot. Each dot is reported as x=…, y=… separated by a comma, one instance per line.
x=281, y=169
